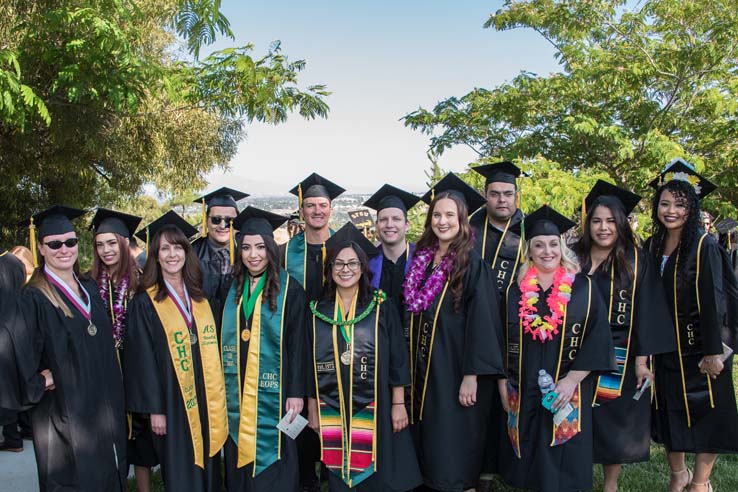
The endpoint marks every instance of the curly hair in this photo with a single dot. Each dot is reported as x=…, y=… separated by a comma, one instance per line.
x=461, y=245
x=692, y=227
x=271, y=288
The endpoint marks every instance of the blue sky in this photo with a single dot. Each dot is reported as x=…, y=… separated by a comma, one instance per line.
x=381, y=60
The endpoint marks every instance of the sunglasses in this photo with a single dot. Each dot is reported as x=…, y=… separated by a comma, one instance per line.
x=69, y=243
x=217, y=219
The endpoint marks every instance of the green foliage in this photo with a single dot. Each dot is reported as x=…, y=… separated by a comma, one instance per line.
x=95, y=105
x=639, y=84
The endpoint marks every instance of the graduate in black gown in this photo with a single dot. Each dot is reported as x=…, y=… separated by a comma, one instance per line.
x=67, y=367
x=695, y=398
x=216, y=245
x=116, y=272
x=171, y=360
x=303, y=258
x=359, y=370
x=455, y=334
x=497, y=229
x=628, y=281
x=264, y=365
x=560, y=327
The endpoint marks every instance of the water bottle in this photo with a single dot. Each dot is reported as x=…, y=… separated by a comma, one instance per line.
x=545, y=382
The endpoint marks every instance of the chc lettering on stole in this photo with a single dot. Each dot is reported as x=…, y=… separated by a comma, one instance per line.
x=691, y=340
x=424, y=340
x=622, y=307
x=363, y=363
x=502, y=273
x=575, y=341
x=269, y=381
x=183, y=358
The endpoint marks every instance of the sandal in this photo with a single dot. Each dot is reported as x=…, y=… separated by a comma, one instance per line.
x=678, y=473
x=707, y=484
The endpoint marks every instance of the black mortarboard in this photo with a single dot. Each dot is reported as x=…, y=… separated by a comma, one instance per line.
x=726, y=225
x=106, y=220
x=627, y=199
x=546, y=222
x=169, y=218
x=55, y=220
x=681, y=170
x=502, y=172
x=222, y=197
x=316, y=185
x=456, y=185
x=350, y=234
x=254, y=221
x=389, y=196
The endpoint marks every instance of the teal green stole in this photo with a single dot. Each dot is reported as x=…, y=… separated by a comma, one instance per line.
x=268, y=384
x=296, y=256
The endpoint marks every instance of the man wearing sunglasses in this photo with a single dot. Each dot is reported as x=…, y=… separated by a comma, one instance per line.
x=216, y=244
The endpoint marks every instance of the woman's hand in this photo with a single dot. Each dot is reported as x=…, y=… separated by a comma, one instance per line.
x=313, y=418
x=502, y=387
x=48, y=380
x=642, y=372
x=399, y=416
x=159, y=424
x=468, y=390
x=565, y=390
x=294, y=404
x=711, y=365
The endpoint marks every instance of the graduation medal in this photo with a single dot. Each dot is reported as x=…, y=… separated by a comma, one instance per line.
x=346, y=356
x=245, y=334
x=193, y=337
x=92, y=329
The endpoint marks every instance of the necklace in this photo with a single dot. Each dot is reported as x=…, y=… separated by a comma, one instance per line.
x=420, y=295
x=544, y=328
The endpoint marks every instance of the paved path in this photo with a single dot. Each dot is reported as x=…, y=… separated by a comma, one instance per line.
x=18, y=470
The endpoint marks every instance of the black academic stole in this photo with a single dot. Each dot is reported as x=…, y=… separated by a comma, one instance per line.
x=571, y=338
x=348, y=442
x=501, y=250
x=621, y=299
x=422, y=335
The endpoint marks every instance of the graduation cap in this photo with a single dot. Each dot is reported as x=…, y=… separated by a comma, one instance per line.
x=458, y=187
x=254, y=221
x=316, y=185
x=626, y=199
x=726, y=225
x=350, y=234
x=389, y=196
x=50, y=222
x=106, y=220
x=546, y=222
x=169, y=218
x=499, y=172
x=681, y=170
x=222, y=197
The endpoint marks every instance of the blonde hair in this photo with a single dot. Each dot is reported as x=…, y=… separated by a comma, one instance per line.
x=25, y=256
x=568, y=259
x=38, y=280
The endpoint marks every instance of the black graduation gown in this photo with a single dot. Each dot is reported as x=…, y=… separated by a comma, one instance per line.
x=700, y=330
x=566, y=467
x=79, y=430
x=622, y=427
x=152, y=388
x=215, y=283
x=313, y=270
x=282, y=475
x=12, y=277
x=450, y=438
x=397, y=465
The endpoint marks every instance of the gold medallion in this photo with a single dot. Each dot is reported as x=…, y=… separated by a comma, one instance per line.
x=92, y=329
x=245, y=334
x=346, y=357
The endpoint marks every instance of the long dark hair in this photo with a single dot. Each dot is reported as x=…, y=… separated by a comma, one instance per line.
x=191, y=273
x=462, y=244
x=127, y=265
x=365, y=282
x=692, y=226
x=271, y=288
x=616, y=259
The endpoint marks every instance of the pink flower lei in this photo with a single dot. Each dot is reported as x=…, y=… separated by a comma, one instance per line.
x=544, y=328
x=118, y=307
x=420, y=295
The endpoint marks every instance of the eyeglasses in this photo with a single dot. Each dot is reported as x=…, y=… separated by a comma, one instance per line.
x=352, y=265
x=69, y=243
x=217, y=219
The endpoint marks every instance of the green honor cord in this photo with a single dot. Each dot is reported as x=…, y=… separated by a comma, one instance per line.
x=378, y=297
x=250, y=304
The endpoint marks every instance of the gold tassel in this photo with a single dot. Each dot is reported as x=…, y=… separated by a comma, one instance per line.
x=322, y=263
x=230, y=242
x=32, y=234
x=584, y=212
x=204, y=219
x=299, y=197
x=433, y=193
x=519, y=201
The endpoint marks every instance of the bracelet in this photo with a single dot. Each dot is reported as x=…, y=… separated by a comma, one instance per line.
x=398, y=403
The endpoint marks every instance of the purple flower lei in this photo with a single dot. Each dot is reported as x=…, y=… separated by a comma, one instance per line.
x=418, y=295
x=119, y=310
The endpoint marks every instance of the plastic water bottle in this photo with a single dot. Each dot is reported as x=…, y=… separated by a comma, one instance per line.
x=545, y=382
